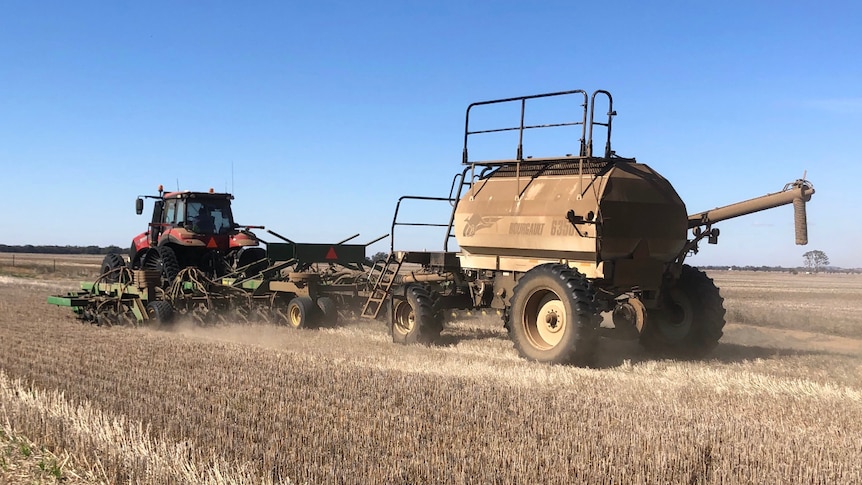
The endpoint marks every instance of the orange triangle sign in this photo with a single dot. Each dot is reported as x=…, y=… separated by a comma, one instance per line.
x=212, y=243
x=331, y=253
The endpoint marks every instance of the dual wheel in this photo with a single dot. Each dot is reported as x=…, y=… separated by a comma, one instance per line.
x=304, y=312
x=164, y=260
x=415, y=318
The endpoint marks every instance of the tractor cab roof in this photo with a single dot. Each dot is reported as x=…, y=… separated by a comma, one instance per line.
x=187, y=194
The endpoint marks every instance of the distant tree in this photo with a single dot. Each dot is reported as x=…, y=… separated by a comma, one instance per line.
x=378, y=256
x=815, y=260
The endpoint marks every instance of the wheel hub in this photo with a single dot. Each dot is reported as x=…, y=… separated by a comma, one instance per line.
x=295, y=317
x=404, y=317
x=547, y=329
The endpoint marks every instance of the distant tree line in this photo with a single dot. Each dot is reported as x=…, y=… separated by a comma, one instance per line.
x=29, y=248
x=781, y=269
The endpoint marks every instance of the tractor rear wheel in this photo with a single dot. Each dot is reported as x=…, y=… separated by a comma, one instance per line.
x=160, y=312
x=112, y=264
x=301, y=312
x=553, y=315
x=213, y=264
x=248, y=256
x=164, y=260
x=691, y=323
x=416, y=319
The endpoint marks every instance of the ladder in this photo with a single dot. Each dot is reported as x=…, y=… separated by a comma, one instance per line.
x=382, y=274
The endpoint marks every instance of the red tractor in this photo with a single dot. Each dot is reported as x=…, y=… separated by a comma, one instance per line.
x=191, y=229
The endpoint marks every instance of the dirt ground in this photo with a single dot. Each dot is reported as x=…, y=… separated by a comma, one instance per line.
x=25, y=299
x=760, y=371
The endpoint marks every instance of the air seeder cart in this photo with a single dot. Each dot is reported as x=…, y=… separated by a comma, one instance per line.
x=549, y=242
x=552, y=242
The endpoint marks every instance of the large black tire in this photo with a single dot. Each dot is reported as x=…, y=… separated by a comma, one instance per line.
x=164, y=260
x=213, y=264
x=553, y=316
x=248, y=256
x=160, y=312
x=328, y=311
x=416, y=319
x=302, y=312
x=111, y=264
x=692, y=321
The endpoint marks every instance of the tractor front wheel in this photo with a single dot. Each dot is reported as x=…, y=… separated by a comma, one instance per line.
x=164, y=260
x=111, y=267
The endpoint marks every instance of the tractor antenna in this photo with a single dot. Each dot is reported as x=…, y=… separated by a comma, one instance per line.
x=231, y=176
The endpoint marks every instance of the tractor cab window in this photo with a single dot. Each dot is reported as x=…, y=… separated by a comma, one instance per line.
x=209, y=217
x=174, y=210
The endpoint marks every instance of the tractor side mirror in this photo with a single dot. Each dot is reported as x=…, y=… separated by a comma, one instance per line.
x=139, y=206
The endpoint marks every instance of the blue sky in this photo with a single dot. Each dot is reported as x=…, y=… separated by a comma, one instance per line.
x=319, y=115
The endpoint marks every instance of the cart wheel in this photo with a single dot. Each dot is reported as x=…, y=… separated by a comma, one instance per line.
x=160, y=312
x=301, y=312
x=416, y=319
x=329, y=311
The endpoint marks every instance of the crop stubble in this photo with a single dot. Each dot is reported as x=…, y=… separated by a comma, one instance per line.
x=345, y=405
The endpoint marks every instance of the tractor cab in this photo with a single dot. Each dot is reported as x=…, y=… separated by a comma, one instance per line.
x=181, y=217
x=200, y=213
x=192, y=229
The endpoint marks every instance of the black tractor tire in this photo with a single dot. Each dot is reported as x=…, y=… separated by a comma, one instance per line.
x=136, y=258
x=161, y=312
x=416, y=319
x=252, y=255
x=553, y=316
x=692, y=322
x=164, y=260
x=328, y=311
x=111, y=264
x=213, y=264
x=302, y=313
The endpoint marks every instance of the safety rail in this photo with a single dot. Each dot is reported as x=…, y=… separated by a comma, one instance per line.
x=395, y=222
x=586, y=122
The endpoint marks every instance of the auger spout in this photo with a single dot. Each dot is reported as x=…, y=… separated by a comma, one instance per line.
x=796, y=193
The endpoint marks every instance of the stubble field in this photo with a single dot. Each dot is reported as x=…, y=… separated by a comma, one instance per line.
x=779, y=401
